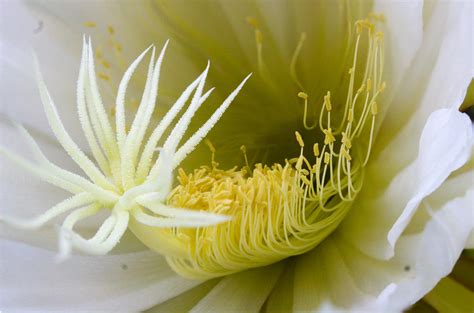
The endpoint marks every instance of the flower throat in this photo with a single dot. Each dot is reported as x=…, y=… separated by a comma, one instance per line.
x=280, y=210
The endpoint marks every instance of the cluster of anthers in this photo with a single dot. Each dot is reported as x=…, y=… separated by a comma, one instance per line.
x=282, y=210
x=130, y=185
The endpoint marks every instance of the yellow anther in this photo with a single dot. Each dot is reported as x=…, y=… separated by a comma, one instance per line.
x=105, y=64
x=112, y=111
x=303, y=95
x=345, y=153
x=299, y=139
x=244, y=152
x=90, y=24
x=98, y=53
x=374, y=108
x=346, y=141
x=378, y=17
x=118, y=47
x=327, y=157
x=111, y=30
x=369, y=85
x=364, y=24
x=316, y=149
x=252, y=21
x=103, y=76
x=327, y=101
x=329, y=137
x=379, y=35
x=382, y=87
x=350, y=116
x=210, y=145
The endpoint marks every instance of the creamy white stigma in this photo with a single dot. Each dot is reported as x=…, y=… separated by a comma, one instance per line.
x=126, y=179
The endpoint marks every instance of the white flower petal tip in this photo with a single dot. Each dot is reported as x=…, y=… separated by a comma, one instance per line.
x=118, y=176
x=445, y=145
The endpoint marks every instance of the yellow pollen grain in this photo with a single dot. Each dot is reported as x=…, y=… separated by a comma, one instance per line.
x=327, y=157
x=316, y=149
x=303, y=95
x=369, y=85
x=327, y=101
x=105, y=63
x=103, y=76
x=350, y=116
x=252, y=21
x=90, y=24
x=299, y=139
x=374, y=108
x=117, y=46
x=329, y=137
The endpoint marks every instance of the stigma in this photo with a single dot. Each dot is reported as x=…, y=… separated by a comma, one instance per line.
x=129, y=173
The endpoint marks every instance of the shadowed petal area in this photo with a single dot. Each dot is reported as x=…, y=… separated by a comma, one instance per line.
x=114, y=283
x=243, y=292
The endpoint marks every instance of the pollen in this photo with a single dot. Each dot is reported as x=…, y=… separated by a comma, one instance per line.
x=282, y=210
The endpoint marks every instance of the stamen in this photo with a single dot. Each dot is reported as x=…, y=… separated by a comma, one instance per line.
x=258, y=41
x=244, y=152
x=304, y=96
x=283, y=210
x=294, y=60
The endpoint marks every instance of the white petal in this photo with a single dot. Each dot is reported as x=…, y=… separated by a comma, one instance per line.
x=126, y=283
x=54, y=31
x=445, y=145
x=403, y=29
x=470, y=241
x=438, y=77
x=20, y=37
x=437, y=251
x=241, y=292
x=186, y=301
x=338, y=277
x=281, y=298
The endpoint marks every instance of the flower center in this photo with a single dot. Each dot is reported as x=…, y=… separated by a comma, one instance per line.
x=286, y=209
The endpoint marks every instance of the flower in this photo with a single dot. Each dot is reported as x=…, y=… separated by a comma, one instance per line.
x=394, y=191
